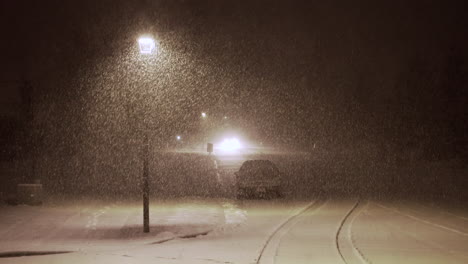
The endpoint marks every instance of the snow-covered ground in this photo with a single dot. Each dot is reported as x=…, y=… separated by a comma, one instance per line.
x=99, y=225
x=204, y=230
x=304, y=227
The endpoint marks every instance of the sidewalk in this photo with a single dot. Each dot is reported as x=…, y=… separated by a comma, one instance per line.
x=97, y=225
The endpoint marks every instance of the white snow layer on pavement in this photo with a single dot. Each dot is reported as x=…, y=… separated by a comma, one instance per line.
x=237, y=232
x=367, y=232
x=94, y=225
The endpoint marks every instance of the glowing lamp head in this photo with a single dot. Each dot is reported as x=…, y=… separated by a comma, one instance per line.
x=147, y=45
x=203, y=114
x=178, y=137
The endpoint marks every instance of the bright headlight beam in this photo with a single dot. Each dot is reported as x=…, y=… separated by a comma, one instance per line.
x=230, y=144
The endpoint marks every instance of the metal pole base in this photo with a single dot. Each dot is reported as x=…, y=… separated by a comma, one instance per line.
x=146, y=227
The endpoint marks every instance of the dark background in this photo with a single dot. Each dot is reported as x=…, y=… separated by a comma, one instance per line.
x=377, y=80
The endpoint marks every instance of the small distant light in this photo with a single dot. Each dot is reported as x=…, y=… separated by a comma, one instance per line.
x=203, y=114
x=147, y=45
x=225, y=117
x=178, y=137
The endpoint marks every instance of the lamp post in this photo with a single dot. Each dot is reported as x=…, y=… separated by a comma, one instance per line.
x=147, y=46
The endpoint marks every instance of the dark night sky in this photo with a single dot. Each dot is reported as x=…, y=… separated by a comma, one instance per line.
x=287, y=71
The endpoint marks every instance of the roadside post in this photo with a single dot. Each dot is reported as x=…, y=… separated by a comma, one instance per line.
x=209, y=148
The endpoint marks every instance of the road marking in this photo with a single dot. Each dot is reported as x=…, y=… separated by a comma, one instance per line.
x=422, y=220
x=433, y=244
x=444, y=212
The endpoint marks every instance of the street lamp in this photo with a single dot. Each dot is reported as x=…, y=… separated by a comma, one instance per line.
x=147, y=46
x=203, y=114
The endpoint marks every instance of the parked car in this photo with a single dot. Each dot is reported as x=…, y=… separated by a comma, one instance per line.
x=258, y=177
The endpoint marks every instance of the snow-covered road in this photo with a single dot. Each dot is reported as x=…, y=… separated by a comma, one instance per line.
x=230, y=231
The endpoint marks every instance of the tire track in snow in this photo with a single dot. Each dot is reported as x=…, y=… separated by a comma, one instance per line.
x=274, y=238
x=94, y=219
x=357, y=252
x=340, y=227
x=427, y=222
x=61, y=225
x=218, y=176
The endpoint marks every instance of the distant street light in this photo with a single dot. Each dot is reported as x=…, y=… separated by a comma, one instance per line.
x=203, y=114
x=147, y=46
x=178, y=137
